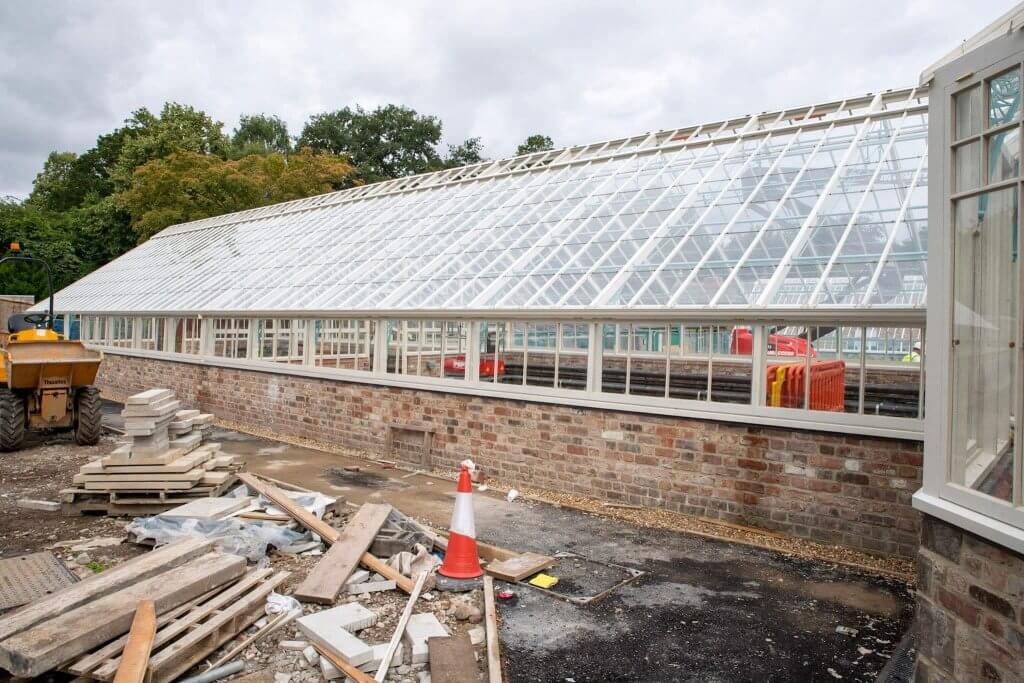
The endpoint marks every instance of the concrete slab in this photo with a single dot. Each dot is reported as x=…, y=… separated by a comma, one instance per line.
x=148, y=396
x=333, y=638
x=351, y=617
x=208, y=508
x=420, y=627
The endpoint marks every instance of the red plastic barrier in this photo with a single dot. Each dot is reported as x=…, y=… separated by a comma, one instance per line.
x=786, y=384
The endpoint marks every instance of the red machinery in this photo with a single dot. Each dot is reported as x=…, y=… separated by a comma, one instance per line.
x=456, y=365
x=742, y=344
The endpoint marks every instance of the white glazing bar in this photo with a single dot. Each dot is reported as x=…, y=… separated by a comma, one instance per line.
x=697, y=269
x=865, y=195
x=883, y=258
x=523, y=194
x=541, y=244
x=538, y=196
x=696, y=224
x=802, y=235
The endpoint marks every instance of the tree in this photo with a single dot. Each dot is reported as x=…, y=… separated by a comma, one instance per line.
x=469, y=152
x=40, y=234
x=187, y=186
x=178, y=128
x=535, y=143
x=389, y=142
x=260, y=134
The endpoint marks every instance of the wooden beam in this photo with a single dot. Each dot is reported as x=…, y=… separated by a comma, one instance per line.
x=169, y=632
x=98, y=585
x=519, y=567
x=135, y=659
x=327, y=578
x=321, y=528
x=491, y=623
x=396, y=637
x=67, y=636
x=343, y=666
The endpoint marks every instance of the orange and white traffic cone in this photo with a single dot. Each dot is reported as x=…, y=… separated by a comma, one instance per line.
x=461, y=560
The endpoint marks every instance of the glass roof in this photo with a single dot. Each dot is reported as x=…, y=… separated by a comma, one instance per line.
x=819, y=206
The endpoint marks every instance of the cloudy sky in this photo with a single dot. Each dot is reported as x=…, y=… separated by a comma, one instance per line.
x=577, y=71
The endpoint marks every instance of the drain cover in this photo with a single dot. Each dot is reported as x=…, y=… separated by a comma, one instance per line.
x=583, y=580
x=25, y=578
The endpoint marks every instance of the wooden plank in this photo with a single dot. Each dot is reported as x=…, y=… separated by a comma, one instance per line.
x=273, y=625
x=396, y=637
x=321, y=528
x=293, y=509
x=325, y=581
x=140, y=643
x=47, y=645
x=343, y=666
x=181, y=655
x=491, y=624
x=83, y=666
x=452, y=660
x=519, y=567
x=171, y=631
x=98, y=585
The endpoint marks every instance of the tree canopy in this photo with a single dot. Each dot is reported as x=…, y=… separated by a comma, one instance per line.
x=177, y=165
x=535, y=143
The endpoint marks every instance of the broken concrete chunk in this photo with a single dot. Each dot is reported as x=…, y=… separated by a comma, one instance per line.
x=311, y=655
x=419, y=628
x=847, y=631
x=477, y=635
x=329, y=671
x=368, y=587
x=358, y=576
x=294, y=645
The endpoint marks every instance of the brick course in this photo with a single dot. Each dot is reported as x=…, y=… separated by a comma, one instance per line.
x=839, y=489
x=970, y=607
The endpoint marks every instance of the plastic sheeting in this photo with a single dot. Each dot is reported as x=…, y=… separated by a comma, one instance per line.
x=248, y=539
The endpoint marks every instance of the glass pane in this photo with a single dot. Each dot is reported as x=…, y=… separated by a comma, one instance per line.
x=730, y=365
x=967, y=163
x=968, y=112
x=1004, y=155
x=787, y=364
x=985, y=318
x=1004, y=98
x=893, y=360
x=572, y=356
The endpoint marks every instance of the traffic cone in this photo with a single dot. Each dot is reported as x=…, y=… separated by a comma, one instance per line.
x=461, y=560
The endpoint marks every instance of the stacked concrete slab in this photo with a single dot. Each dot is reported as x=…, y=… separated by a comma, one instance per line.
x=167, y=454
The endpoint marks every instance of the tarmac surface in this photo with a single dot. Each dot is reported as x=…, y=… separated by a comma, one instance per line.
x=668, y=606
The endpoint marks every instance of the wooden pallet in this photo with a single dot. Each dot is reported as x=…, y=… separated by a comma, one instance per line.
x=190, y=633
x=78, y=501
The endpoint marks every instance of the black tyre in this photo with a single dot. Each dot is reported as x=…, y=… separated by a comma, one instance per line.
x=88, y=416
x=12, y=420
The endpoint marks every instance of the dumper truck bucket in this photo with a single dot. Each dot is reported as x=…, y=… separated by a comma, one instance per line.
x=51, y=365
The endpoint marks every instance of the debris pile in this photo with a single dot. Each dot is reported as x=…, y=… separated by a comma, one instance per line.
x=167, y=462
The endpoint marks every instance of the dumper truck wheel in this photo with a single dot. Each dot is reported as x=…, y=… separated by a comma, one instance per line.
x=12, y=420
x=88, y=416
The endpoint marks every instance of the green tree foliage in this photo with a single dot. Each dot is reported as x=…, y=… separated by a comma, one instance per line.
x=187, y=186
x=469, y=152
x=260, y=134
x=535, y=143
x=388, y=142
x=178, y=128
x=88, y=208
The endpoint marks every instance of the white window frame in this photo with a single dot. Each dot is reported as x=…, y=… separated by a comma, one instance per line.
x=997, y=520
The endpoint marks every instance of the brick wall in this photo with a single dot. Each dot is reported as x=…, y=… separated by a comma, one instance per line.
x=839, y=489
x=970, y=607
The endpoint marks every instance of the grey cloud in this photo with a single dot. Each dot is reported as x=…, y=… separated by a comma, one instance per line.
x=578, y=71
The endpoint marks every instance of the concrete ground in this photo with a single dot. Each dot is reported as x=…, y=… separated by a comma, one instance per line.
x=676, y=607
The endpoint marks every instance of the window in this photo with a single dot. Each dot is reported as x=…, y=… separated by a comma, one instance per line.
x=120, y=329
x=427, y=348
x=973, y=454
x=281, y=340
x=230, y=338
x=151, y=333
x=343, y=344
x=187, y=333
